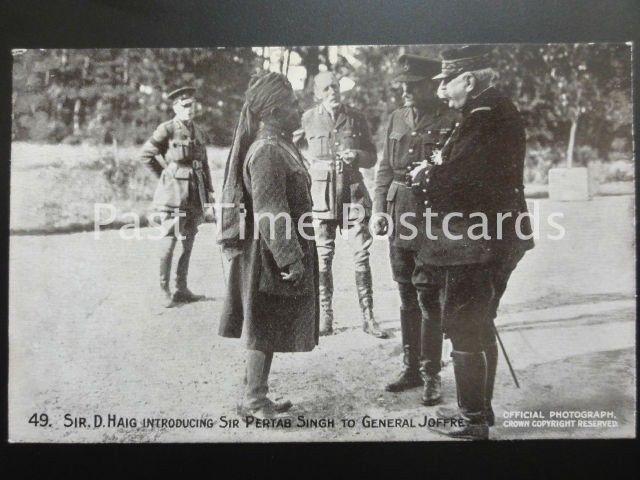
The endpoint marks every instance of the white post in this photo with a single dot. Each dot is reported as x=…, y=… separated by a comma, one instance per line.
x=572, y=141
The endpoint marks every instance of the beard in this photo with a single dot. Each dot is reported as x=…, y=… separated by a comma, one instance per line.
x=291, y=123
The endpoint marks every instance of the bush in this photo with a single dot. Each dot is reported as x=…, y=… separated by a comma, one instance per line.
x=585, y=155
x=538, y=161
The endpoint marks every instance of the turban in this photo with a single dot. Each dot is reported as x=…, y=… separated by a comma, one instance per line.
x=266, y=91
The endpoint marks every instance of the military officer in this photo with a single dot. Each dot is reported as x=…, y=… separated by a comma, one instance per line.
x=414, y=134
x=339, y=144
x=176, y=153
x=480, y=171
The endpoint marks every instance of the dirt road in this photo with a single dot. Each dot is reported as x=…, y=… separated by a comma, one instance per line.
x=86, y=339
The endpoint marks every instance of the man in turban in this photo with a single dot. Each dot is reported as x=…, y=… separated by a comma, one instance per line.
x=266, y=230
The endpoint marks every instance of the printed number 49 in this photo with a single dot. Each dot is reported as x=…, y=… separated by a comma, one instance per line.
x=39, y=420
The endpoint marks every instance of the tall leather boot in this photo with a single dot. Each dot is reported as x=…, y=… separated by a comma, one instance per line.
x=166, y=257
x=491, y=353
x=254, y=395
x=182, y=293
x=470, y=370
x=365, y=298
x=255, y=401
x=430, y=346
x=432, y=391
x=278, y=407
x=325, y=278
x=410, y=376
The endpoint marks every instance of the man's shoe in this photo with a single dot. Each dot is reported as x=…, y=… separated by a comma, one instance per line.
x=186, y=296
x=468, y=431
x=432, y=392
x=410, y=376
x=371, y=327
x=470, y=370
x=408, y=379
x=166, y=299
x=282, y=406
x=270, y=409
x=454, y=412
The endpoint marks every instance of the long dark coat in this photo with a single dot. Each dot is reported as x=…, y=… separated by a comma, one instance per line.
x=270, y=313
x=482, y=171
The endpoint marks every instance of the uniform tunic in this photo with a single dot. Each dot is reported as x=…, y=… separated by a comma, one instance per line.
x=407, y=143
x=185, y=181
x=272, y=314
x=482, y=171
x=335, y=185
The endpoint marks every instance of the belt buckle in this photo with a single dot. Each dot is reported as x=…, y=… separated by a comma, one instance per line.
x=196, y=164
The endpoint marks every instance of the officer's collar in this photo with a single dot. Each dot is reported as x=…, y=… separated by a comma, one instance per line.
x=427, y=113
x=482, y=99
x=339, y=109
x=187, y=124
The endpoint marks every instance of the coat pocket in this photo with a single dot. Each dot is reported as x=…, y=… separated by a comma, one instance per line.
x=321, y=190
x=271, y=282
x=318, y=144
x=394, y=145
x=391, y=198
x=182, y=173
x=170, y=192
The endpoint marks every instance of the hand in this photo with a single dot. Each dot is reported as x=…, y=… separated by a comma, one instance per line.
x=210, y=212
x=380, y=225
x=296, y=270
x=418, y=170
x=348, y=156
x=210, y=215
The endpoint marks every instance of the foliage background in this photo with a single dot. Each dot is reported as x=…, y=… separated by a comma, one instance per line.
x=79, y=116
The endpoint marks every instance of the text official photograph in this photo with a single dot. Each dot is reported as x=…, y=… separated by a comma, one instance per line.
x=322, y=243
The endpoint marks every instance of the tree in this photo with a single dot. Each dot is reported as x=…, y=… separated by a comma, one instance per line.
x=562, y=87
x=119, y=93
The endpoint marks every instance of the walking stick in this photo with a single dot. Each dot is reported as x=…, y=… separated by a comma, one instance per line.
x=224, y=271
x=506, y=357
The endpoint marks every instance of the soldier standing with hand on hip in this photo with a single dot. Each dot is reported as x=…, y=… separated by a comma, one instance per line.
x=414, y=133
x=183, y=190
x=339, y=145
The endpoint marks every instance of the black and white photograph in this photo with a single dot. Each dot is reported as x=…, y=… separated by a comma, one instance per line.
x=322, y=243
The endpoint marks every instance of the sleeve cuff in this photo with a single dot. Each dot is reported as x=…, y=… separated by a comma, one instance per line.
x=287, y=254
